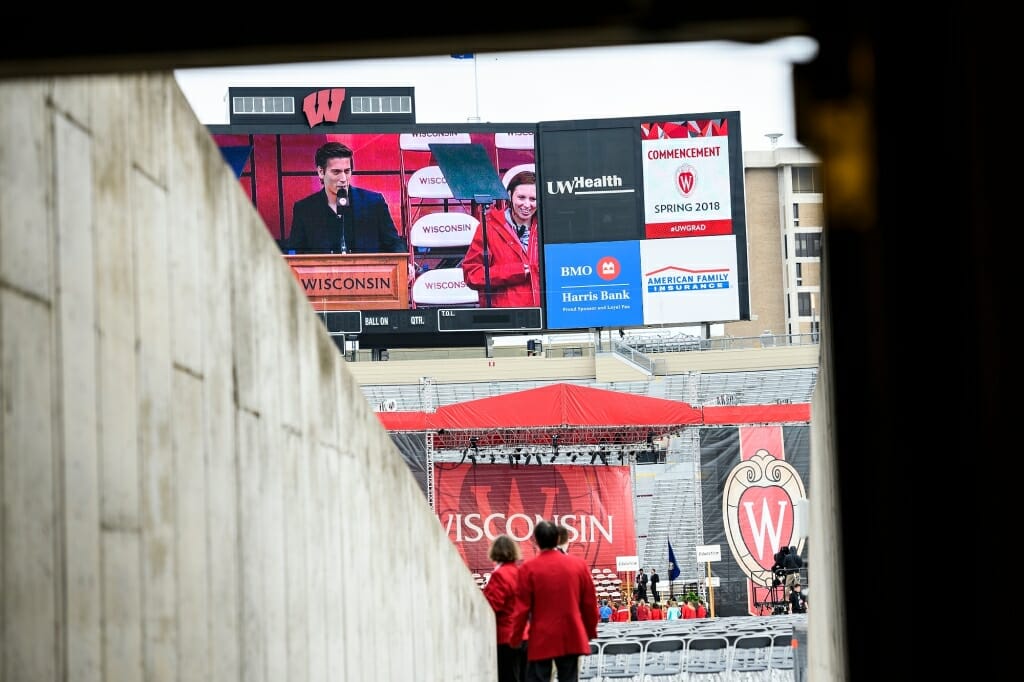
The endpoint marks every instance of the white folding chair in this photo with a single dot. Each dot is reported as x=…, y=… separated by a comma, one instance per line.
x=751, y=658
x=443, y=287
x=511, y=142
x=707, y=655
x=783, y=656
x=444, y=230
x=622, y=659
x=664, y=659
x=590, y=666
x=427, y=185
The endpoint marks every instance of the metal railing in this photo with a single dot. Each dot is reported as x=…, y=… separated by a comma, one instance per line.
x=633, y=355
x=683, y=342
x=633, y=344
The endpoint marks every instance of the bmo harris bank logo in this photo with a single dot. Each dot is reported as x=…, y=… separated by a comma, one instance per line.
x=607, y=268
x=671, y=278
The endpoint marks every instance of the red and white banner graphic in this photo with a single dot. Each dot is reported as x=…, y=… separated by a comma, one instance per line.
x=759, y=501
x=687, y=192
x=476, y=503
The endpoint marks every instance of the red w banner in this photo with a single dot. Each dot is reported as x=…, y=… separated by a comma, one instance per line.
x=477, y=502
x=752, y=479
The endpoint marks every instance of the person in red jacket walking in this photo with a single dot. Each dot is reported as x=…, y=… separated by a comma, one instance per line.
x=501, y=594
x=557, y=596
x=508, y=275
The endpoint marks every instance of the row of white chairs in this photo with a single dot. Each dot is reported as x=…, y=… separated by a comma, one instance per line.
x=730, y=626
x=679, y=658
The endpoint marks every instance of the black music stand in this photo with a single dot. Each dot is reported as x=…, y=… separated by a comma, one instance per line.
x=470, y=174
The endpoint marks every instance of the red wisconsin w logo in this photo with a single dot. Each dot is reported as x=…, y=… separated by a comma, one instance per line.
x=686, y=180
x=757, y=504
x=323, y=106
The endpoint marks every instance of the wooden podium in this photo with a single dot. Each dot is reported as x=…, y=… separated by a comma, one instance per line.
x=354, y=281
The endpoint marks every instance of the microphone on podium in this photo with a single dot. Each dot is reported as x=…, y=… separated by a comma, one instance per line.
x=342, y=203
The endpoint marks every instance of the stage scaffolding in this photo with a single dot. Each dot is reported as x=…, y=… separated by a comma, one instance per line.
x=565, y=445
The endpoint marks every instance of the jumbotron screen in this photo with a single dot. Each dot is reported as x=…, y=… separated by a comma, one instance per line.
x=641, y=222
x=433, y=303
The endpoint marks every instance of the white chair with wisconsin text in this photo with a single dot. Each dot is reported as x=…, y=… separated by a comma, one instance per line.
x=443, y=287
x=426, y=185
x=443, y=230
x=438, y=242
x=511, y=144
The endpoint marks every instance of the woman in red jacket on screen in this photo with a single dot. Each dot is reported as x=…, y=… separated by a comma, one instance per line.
x=508, y=276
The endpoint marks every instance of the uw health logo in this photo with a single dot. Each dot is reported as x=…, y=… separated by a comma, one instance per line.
x=686, y=180
x=758, y=510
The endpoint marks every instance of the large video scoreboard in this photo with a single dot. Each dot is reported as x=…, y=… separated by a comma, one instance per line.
x=642, y=221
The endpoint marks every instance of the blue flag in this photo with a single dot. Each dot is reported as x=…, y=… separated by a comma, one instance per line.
x=673, y=567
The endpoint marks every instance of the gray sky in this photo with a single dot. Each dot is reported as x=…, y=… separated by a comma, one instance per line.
x=554, y=85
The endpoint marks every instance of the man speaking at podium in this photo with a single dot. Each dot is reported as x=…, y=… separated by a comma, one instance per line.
x=341, y=218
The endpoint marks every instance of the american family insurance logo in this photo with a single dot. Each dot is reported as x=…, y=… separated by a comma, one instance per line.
x=323, y=106
x=672, y=278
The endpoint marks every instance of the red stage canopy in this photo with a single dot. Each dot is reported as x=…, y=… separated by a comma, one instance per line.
x=565, y=405
x=578, y=415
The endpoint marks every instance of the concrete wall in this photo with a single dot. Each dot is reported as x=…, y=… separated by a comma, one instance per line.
x=828, y=614
x=192, y=485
